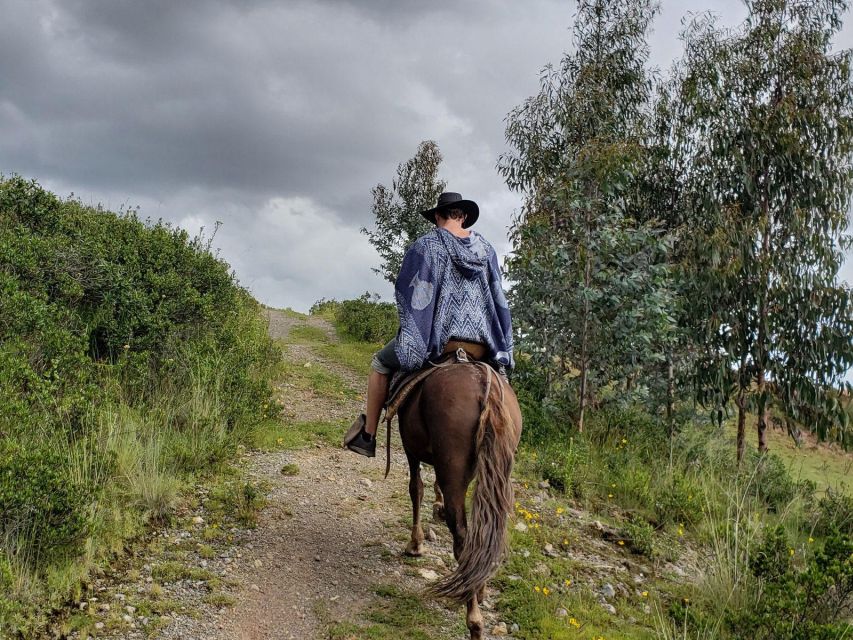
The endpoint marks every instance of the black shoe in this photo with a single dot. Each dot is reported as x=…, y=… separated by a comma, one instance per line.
x=358, y=440
x=364, y=444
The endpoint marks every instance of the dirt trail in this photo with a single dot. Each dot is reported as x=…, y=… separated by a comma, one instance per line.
x=329, y=536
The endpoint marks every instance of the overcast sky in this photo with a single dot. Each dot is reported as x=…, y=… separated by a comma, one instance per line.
x=277, y=118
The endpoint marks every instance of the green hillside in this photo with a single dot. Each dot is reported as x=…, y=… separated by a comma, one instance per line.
x=130, y=359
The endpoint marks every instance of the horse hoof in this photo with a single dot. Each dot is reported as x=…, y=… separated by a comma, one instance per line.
x=476, y=631
x=414, y=550
x=438, y=512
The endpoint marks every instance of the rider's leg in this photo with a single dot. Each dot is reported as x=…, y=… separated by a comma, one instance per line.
x=361, y=436
x=382, y=367
x=377, y=393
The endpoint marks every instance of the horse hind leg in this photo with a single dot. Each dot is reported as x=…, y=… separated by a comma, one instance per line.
x=416, y=493
x=456, y=519
x=474, y=619
x=438, y=505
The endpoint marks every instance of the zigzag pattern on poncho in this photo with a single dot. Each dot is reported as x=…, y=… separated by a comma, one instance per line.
x=451, y=288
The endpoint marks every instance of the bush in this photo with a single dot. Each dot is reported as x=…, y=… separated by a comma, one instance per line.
x=799, y=604
x=43, y=516
x=364, y=319
x=565, y=466
x=834, y=513
x=770, y=481
x=677, y=500
x=121, y=341
x=641, y=537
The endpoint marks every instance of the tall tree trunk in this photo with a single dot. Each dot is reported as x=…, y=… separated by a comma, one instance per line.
x=741, y=425
x=670, y=392
x=761, y=342
x=740, y=401
x=582, y=403
x=762, y=417
x=587, y=278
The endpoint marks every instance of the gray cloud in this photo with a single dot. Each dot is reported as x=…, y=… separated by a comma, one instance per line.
x=277, y=118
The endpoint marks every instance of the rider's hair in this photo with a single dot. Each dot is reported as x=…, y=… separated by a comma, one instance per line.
x=452, y=214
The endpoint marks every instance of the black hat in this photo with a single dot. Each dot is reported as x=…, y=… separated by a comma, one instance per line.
x=451, y=200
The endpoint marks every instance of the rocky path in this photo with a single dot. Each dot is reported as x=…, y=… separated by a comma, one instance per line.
x=326, y=549
x=331, y=534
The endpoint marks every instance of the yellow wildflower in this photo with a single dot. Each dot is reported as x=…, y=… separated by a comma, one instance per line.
x=621, y=543
x=546, y=590
x=791, y=551
x=567, y=582
x=624, y=441
x=537, y=588
x=560, y=510
x=609, y=496
x=574, y=623
x=811, y=540
x=645, y=594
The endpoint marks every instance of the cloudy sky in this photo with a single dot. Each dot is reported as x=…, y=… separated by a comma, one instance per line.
x=277, y=118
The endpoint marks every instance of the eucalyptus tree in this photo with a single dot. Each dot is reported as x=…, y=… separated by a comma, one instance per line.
x=415, y=188
x=660, y=203
x=766, y=120
x=589, y=280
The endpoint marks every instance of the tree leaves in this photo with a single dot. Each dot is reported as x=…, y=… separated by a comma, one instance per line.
x=397, y=210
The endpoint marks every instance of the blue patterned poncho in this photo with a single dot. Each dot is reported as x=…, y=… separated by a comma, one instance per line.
x=450, y=287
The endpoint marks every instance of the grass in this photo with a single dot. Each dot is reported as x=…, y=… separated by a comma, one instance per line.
x=308, y=334
x=276, y=435
x=396, y=613
x=314, y=378
x=535, y=586
x=353, y=354
x=827, y=466
x=173, y=571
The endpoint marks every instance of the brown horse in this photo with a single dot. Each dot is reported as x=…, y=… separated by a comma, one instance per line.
x=465, y=421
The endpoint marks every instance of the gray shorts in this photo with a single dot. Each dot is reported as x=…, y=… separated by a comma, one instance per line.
x=385, y=360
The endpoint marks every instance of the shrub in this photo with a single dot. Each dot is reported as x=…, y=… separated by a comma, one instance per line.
x=770, y=482
x=834, y=513
x=364, y=319
x=641, y=537
x=325, y=307
x=565, y=466
x=109, y=325
x=43, y=516
x=798, y=604
x=677, y=500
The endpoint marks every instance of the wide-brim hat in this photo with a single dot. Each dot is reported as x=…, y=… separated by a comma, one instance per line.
x=452, y=200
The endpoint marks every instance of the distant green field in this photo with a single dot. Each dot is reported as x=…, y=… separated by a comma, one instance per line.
x=827, y=466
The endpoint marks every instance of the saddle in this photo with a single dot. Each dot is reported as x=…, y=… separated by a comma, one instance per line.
x=403, y=383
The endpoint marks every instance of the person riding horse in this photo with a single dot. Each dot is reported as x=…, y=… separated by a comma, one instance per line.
x=449, y=289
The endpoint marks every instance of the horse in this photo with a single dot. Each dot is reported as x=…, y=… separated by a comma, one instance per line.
x=465, y=421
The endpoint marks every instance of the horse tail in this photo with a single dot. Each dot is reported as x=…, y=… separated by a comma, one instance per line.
x=486, y=539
